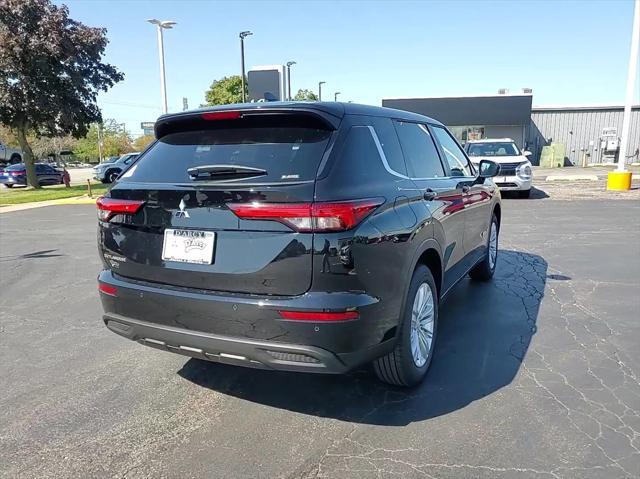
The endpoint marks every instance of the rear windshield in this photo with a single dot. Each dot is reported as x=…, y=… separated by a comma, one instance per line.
x=287, y=154
x=16, y=167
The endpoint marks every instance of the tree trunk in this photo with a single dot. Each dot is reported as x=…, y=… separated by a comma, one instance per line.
x=27, y=156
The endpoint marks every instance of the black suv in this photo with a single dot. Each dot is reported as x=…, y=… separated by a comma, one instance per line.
x=309, y=237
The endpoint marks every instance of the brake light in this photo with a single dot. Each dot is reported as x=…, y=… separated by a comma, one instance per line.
x=309, y=217
x=109, y=207
x=18, y=173
x=221, y=115
x=107, y=289
x=319, y=315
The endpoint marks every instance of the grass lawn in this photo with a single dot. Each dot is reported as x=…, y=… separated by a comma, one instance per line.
x=15, y=195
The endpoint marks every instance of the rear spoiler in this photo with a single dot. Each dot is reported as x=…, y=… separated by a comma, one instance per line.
x=245, y=118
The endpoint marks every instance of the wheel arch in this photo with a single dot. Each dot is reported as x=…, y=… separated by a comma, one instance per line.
x=430, y=255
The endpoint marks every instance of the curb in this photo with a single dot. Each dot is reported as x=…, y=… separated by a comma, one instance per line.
x=76, y=200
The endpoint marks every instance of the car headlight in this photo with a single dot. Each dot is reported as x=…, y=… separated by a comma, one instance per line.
x=524, y=171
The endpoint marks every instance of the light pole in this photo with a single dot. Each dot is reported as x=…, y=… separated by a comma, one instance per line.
x=243, y=35
x=161, y=25
x=289, y=64
x=335, y=96
x=320, y=83
x=621, y=179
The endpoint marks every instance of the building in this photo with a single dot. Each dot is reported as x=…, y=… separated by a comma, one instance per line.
x=579, y=128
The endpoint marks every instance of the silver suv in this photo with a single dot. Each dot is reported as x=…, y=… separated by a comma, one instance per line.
x=108, y=172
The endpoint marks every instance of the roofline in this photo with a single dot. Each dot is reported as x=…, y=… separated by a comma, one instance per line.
x=581, y=107
x=459, y=96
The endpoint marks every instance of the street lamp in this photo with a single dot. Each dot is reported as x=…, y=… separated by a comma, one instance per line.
x=289, y=64
x=320, y=83
x=161, y=25
x=335, y=96
x=243, y=35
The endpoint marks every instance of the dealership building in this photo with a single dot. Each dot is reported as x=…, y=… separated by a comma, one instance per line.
x=588, y=133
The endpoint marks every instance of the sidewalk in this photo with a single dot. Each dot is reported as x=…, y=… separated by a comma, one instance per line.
x=578, y=173
x=78, y=200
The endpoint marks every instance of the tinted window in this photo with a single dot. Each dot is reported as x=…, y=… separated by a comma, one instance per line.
x=287, y=154
x=458, y=163
x=390, y=145
x=420, y=152
x=16, y=167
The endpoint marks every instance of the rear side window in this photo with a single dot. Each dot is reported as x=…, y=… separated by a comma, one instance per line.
x=389, y=142
x=419, y=150
x=287, y=154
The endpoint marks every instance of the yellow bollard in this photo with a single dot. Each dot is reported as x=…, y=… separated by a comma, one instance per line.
x=619, y=180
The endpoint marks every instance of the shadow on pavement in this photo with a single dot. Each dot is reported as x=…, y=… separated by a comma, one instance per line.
x=485, y=331
x=536, y=194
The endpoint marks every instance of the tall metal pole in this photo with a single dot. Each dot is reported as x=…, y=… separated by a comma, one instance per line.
x=320, y=83
x=335, y=96
x=244, y=97
x=289, y=64
x=163, y=87
x=631, y=79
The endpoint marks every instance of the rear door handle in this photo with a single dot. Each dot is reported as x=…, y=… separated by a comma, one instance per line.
x=429, y=194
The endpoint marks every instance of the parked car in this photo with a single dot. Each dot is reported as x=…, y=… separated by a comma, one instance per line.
x=108, y=171
x=9, y=156
x=515, y=173
x=13, y=175
x=309, y=237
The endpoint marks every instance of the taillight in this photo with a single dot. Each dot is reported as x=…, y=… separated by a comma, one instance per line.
x=221, y=115
x=319, y=315
x=311, y=217
x=107, y=289
x=109, y=207
x=18, y=173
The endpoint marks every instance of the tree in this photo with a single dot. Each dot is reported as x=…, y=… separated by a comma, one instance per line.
x=142, y=142
x=115, y=142
x=50, y=73
x=305, y=95
x=225, y=91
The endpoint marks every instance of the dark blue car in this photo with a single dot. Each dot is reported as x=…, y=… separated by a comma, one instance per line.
x=17, y=175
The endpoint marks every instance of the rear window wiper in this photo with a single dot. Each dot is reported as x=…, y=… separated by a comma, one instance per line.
x=222, y=172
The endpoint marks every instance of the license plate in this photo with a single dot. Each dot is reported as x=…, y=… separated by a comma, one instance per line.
x=188, y=246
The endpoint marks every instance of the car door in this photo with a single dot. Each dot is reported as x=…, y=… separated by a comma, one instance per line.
x=440, y=194
x=477, y=197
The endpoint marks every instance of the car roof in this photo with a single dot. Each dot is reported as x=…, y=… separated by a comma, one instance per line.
x=491, y=140
x=333, y=108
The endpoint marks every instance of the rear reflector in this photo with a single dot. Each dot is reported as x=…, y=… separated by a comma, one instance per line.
x=221, y=115
x=309, y=217
x=109, y=207
x=319, y=315
x=107, y=289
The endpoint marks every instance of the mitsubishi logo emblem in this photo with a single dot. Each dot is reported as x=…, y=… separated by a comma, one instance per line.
x=182, y=213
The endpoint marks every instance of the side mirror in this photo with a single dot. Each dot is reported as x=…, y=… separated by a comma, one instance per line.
x=526, y=153
x=488, y=169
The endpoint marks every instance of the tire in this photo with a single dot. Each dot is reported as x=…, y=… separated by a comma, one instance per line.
x=111, y=176
x=399, y=367
x=524, y=194
x=6, y=185
x=15, y=158
x=484, y=270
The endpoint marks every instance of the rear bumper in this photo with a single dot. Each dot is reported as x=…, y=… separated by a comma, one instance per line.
x=230, y=350
x=246, y=330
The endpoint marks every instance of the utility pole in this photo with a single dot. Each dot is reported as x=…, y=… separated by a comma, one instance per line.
x=289, y=64
x=320, y=83
x=621, y=179
x=100, y=142
x=243, y=35
x=335, y=96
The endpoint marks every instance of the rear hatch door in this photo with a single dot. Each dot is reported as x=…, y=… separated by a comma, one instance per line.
x=184, y=233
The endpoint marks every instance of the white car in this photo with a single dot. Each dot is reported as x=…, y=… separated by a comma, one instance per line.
x=515, y=168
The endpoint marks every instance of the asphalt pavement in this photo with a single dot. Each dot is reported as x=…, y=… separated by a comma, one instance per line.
x=535, y=374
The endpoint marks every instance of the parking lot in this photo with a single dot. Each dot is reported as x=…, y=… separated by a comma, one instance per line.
x=535, y=374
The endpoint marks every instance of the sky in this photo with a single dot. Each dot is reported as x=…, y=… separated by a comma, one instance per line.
x=568, y=52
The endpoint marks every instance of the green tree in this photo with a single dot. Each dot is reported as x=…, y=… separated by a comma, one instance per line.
x=50, y=73
x=225, y=91
x=305, y=95
x=142, y=142
x=115, y=142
